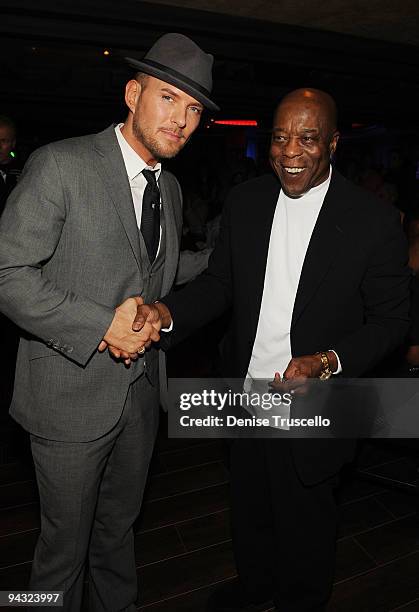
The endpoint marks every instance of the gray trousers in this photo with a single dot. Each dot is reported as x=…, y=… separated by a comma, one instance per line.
x=90, y=494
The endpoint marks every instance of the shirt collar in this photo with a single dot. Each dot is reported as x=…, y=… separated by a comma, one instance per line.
x=323, y=187
x=319, y=191
x=134, y=164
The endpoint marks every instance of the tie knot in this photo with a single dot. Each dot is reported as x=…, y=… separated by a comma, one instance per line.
x=150, y=176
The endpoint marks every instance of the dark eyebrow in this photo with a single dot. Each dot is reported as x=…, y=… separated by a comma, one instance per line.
x=175, y=95
x=302, y=131
x=170, y=91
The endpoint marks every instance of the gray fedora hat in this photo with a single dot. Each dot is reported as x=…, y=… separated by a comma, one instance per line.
x=176, y=59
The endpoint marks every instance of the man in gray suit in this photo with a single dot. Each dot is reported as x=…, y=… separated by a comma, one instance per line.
x=93, y=222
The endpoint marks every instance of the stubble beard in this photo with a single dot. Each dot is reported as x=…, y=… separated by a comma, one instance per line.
x=151, y=143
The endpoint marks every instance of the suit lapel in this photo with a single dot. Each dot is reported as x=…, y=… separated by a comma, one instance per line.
x=323, y=246
x=111, y=168
x=170, y=201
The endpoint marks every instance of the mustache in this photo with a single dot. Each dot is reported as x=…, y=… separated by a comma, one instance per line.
x=178, y=133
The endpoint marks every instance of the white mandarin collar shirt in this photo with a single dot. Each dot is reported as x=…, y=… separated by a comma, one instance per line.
x=292, y=226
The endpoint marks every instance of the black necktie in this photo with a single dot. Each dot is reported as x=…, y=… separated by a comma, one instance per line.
x=150, y=216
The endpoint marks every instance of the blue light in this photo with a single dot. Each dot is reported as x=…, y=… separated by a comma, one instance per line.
x=251, y=149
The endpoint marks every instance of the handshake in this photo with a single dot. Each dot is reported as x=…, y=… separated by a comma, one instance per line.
x=134, y=327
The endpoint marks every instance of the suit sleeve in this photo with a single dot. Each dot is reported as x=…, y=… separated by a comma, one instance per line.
x=210, y=294
x=30, y=231
x=385, y=293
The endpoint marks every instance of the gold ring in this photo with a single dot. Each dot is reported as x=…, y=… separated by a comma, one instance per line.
x=141, y=351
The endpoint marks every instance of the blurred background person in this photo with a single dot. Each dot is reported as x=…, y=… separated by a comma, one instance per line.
x=10, y=168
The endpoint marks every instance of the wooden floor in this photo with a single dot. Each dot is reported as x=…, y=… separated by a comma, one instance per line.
x=183, y=547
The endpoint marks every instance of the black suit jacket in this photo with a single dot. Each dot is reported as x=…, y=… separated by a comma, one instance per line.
x=353, y=294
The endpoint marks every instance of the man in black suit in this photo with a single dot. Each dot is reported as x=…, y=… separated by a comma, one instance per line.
x=315, y=272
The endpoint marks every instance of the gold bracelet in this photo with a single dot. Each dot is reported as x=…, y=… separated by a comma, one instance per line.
x=326, y=372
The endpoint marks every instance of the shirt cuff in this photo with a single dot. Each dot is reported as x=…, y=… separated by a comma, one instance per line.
x=339, y=370
x=166, y=329
x=169, y=329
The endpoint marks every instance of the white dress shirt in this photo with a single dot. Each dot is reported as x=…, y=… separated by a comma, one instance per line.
x=292, y=226
x=135, y=165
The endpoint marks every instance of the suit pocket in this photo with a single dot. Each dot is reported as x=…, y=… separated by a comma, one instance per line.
x=37, y=350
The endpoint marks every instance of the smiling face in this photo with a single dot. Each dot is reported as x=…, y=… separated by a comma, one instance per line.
x=162, y=118
x=303, y=138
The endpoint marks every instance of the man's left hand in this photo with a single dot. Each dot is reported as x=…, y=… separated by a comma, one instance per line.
x=309, y=366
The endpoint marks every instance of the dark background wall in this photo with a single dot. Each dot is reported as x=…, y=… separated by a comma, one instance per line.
x=54, y=73
x=55, y=80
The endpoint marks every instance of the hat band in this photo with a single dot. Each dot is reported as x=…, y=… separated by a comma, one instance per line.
x=177, y=75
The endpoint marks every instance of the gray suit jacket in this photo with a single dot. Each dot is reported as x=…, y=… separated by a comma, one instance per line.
x=69, y=254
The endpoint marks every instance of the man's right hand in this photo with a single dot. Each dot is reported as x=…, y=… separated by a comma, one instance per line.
x=121, y=335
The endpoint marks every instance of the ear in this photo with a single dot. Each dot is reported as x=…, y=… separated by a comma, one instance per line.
x=132, y=93
x=333, y=143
